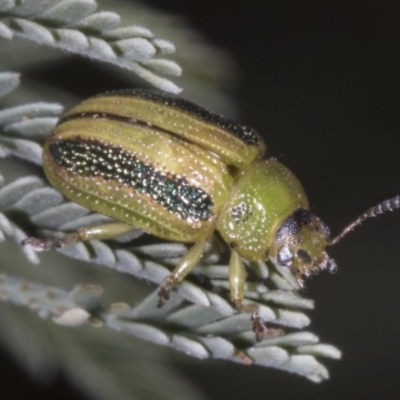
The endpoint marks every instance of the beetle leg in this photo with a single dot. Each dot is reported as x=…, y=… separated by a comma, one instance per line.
x=98, y=232
x=186, y=264
x=237, y=280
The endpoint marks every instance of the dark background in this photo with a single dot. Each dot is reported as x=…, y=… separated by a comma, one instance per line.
x=321, y=81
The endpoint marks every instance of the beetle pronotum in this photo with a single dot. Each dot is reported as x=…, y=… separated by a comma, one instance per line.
x=154, y=161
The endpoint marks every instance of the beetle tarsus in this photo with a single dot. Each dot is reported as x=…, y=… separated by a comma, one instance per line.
x=258, y=326
x=164, y=292
x=260, y=330
x=43, y=244
x=163, y=296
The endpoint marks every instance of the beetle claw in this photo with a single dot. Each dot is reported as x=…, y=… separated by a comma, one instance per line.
x=258, y=326
x=163, y=296
x=164, y=292
x=261, y=330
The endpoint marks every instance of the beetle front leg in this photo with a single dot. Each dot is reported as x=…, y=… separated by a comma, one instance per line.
x=98, y=232
x=186, y=264
x=237, y=280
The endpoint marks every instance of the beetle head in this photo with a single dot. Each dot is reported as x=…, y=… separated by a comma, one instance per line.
x=300, y=244
x=301, y=239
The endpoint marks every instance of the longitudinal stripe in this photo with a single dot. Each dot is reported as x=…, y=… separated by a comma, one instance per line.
x=114, y=117
x=242, y=132
x=90, y=157
x=109, y=116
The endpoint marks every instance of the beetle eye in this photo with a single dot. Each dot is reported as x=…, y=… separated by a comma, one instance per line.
x=285, y=256
x=304, y=256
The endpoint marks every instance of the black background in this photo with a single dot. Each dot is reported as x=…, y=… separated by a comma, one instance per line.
x=321, y=81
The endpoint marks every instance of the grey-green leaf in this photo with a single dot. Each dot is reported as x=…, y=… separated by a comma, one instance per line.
x=68, y=11
x=20, y=113
x=33, y=31
x=8, y=82
x=7, y=5
x=29, y=8
x=5, y=31
x=99, y=22
x=14, y=191
x=40, y=127
x=135, y=48
x=128, y=32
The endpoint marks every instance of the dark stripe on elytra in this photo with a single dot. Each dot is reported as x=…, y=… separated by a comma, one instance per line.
x=103, y=115
x=114, y=117
x=244, y=133
x=94, y=158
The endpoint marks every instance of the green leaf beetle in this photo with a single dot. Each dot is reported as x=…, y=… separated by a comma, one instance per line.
x=154, y=161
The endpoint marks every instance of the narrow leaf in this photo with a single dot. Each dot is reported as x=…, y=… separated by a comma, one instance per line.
x=99, y=22
x=8, y=82
x=68, y=11
x=33, y=31
x=135, y=48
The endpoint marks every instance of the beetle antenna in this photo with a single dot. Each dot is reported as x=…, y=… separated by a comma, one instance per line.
x=381, y=208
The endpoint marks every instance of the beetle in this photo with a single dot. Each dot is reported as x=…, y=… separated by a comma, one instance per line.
x=157, y=162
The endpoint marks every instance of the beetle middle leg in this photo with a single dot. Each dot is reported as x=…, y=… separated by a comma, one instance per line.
x=237, y=280
x=185, y=265
x=97, y=232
